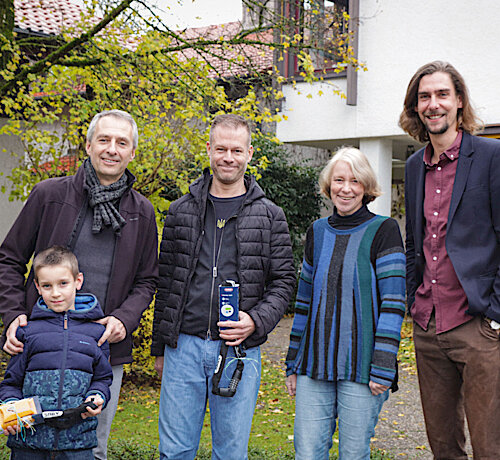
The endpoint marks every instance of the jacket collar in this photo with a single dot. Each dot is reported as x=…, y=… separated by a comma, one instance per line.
x=86, y=307
x=467, y=147
x=464, y=164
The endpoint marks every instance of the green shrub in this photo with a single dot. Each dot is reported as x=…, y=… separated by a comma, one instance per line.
x=205, y=453
x=142, y=370
x=130, y=450
x=293, y=186
x=4, y=450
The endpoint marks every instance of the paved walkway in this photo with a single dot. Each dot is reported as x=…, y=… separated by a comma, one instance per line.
x=401, y=430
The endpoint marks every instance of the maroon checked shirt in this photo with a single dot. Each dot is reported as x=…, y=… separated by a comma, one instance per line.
x=440, y=290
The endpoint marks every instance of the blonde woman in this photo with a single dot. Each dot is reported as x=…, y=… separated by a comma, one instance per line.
x=348, y=313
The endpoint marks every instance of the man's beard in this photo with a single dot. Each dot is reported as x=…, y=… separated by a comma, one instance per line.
x=441, y=130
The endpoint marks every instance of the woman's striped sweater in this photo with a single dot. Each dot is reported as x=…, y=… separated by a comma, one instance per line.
x=350, y=302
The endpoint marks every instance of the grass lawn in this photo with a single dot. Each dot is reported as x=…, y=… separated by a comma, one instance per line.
x=272, y=430
x=136, y=419
x=134, y=434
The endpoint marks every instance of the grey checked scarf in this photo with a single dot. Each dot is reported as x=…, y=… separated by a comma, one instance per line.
x=103, y=198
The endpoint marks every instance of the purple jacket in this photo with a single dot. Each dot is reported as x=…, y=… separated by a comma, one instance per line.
x=48, y=218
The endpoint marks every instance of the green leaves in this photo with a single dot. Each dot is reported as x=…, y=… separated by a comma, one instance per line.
x=171, y=97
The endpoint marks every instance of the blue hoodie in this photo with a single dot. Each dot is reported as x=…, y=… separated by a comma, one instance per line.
x=62, y=365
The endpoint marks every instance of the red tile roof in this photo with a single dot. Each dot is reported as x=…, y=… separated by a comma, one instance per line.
x=51, y=16
x=46, y=16
x=254, y=57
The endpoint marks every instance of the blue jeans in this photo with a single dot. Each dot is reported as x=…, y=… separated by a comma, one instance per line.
x=185, y=389
x=30, y=454
x=317, y=406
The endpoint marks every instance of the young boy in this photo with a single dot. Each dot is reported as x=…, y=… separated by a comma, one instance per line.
x=61, y=362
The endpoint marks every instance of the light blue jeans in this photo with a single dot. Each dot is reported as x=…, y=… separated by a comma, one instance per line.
x=185, y=389
x=319, y=403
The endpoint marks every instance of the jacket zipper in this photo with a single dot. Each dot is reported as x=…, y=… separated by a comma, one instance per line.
x=214, y=274
x=216, y=259
x=62, y=370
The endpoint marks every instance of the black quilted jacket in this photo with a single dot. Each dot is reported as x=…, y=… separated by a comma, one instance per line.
x=265, y=266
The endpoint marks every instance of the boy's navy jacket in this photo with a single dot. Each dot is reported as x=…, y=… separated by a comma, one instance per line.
x=62, y=365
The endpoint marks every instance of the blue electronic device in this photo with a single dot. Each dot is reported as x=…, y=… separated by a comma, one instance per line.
x=229, y=296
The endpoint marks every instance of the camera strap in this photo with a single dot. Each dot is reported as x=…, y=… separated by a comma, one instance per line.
x=230, y=391
x=62, y=419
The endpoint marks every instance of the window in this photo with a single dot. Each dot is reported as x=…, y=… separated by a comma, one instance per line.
x=320, y=25
x=325, y=28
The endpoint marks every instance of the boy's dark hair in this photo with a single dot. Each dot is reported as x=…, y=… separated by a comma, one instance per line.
x=55, y=255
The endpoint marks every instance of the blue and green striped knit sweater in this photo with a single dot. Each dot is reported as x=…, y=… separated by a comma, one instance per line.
x=350, y=302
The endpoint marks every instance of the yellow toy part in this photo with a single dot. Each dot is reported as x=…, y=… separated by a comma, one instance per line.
x=11, y=412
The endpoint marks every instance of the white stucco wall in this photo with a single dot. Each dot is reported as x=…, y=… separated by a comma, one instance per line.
x=395, y=38
x=11, y=151
x=8, y=209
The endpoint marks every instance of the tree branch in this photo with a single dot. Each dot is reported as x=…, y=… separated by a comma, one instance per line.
x=79, y=62
x=64, y=50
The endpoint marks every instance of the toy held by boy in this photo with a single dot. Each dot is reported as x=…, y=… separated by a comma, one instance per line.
x=62, y=363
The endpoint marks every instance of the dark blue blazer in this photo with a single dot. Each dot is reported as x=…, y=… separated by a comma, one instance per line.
x=473, y=228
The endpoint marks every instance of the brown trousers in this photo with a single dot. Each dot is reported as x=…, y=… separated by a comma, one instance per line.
x=459, y=376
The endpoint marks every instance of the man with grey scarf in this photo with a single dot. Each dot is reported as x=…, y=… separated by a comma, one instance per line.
x=112, y=230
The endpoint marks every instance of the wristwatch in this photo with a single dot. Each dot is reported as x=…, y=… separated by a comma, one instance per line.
x=494, y=325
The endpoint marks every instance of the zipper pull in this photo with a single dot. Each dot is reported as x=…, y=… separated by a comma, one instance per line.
x=214, y=272
x=65, y=321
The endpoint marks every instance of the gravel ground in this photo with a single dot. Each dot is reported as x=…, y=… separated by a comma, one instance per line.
x=401, y=429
